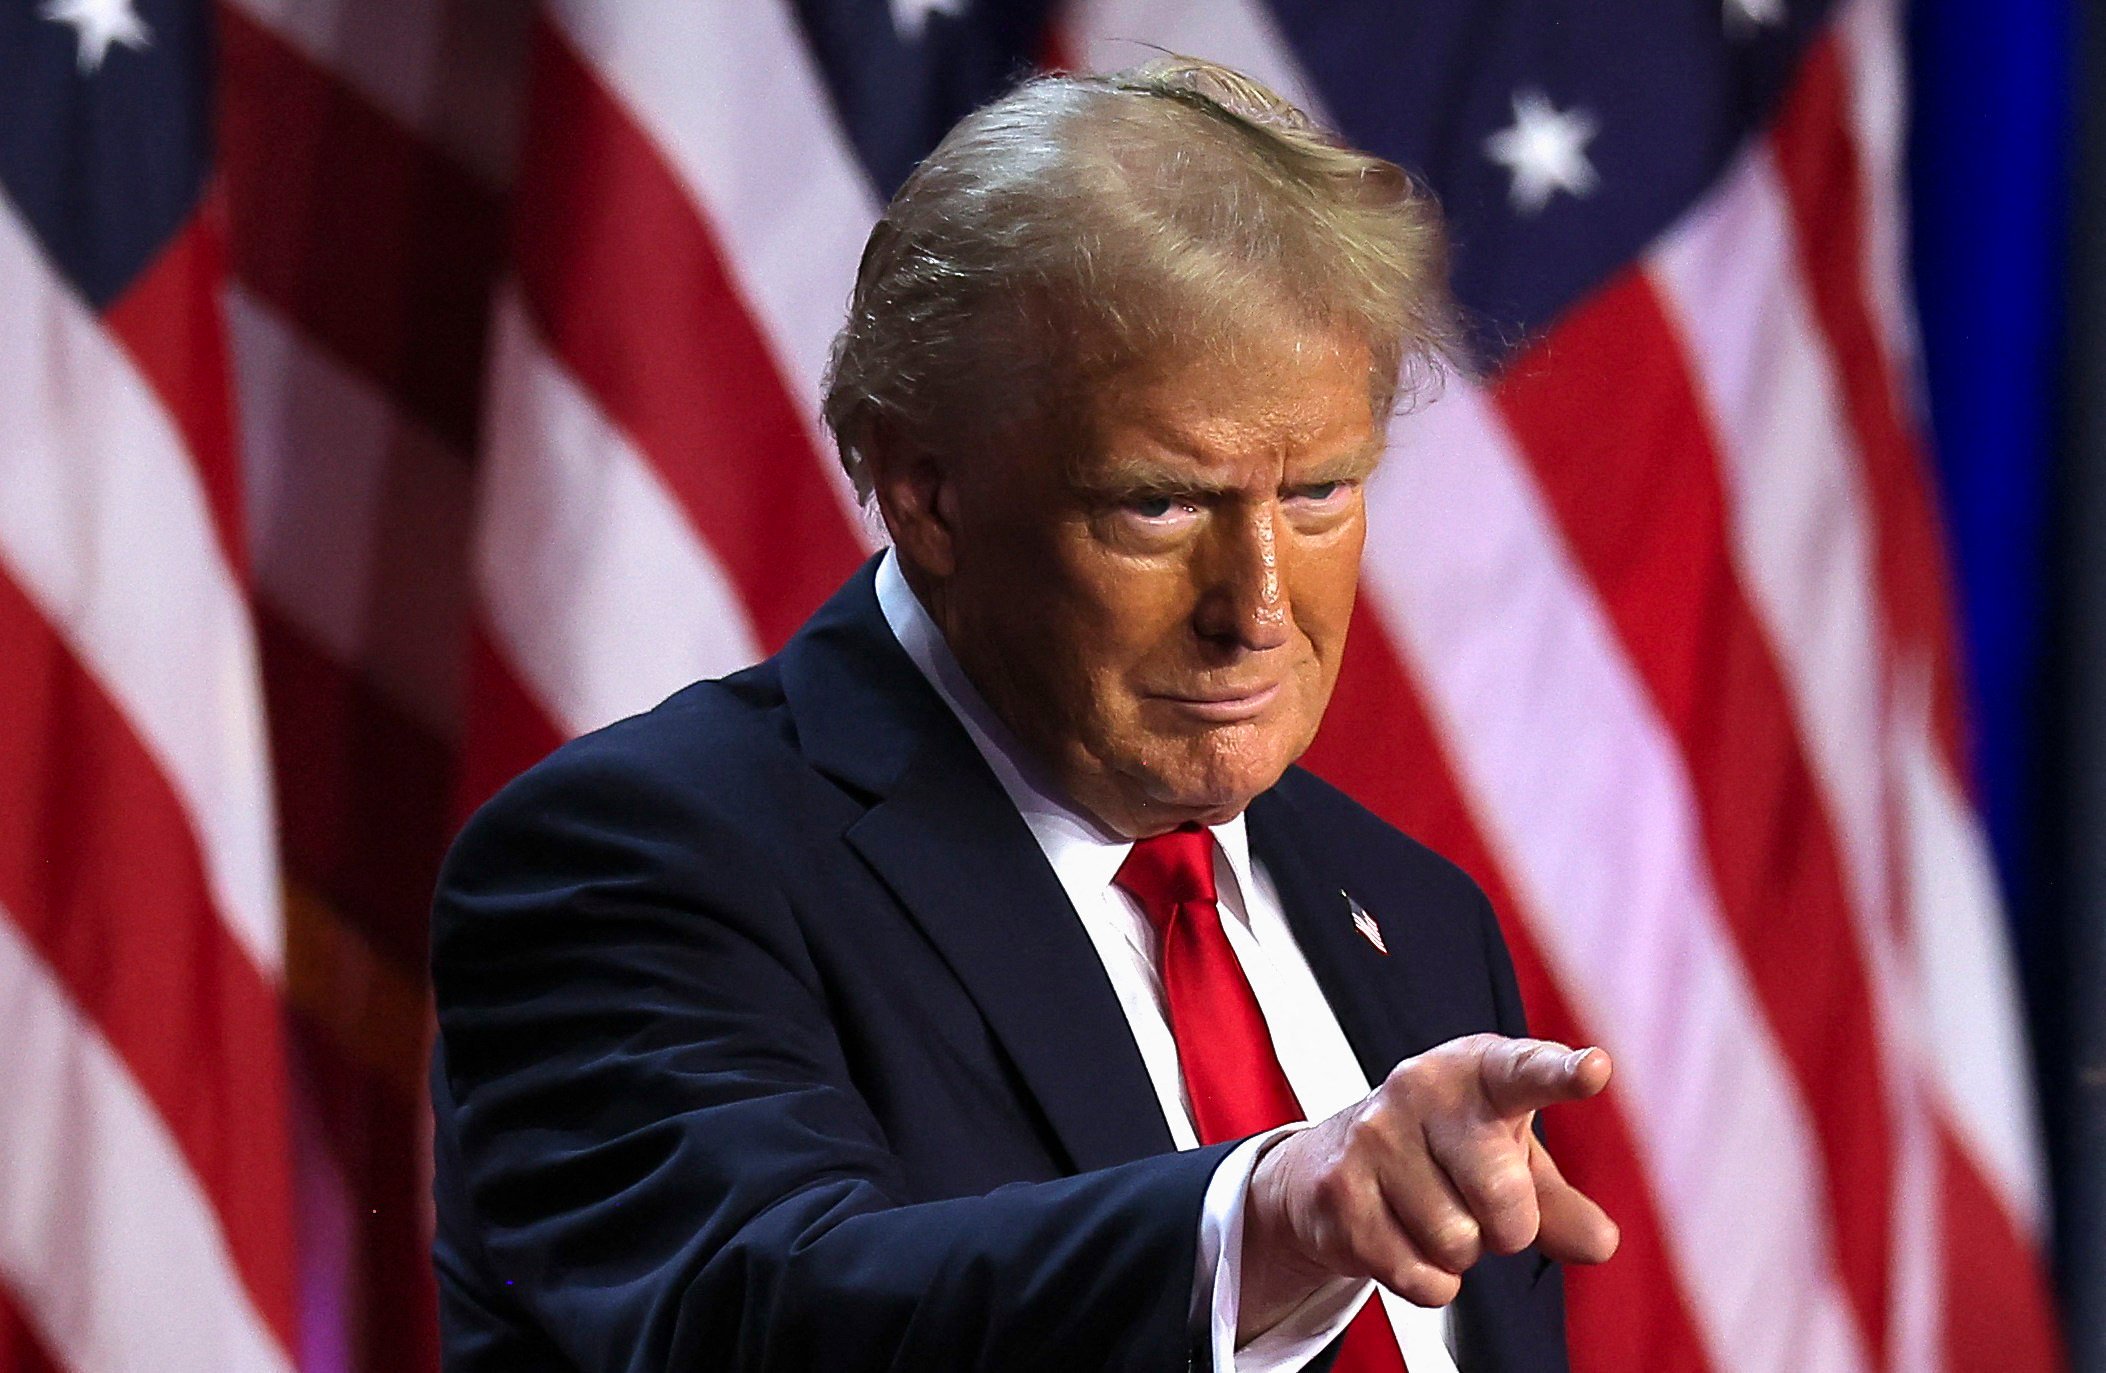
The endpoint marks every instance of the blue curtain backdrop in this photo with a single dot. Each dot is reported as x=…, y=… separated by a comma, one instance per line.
x=2007, y=199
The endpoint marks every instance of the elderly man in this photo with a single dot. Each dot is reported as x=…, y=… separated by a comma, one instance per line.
x=952, y=990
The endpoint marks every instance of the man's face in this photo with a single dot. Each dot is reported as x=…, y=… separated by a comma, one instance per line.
x=1159, y=616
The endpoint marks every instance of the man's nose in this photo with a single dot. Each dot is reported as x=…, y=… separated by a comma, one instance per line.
x=1243, y=597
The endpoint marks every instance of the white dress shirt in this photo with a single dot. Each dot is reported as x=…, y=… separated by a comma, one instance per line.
x=1313, y=1052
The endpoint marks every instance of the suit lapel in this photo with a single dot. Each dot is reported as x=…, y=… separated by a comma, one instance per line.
x=960, y=859
x=947, y=841
x=1370, y=992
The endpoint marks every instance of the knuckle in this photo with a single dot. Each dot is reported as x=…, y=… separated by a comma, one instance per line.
x=1422, y=1284
x=1526, y=1058
x=1505, y=1191
x=1442, y=1060
x=1473, y=1052
x=1369, y=1113
x=1430, y=1090
x=1332, y=1193
x=1379, y=1127
x=1406, y=1082
x=1456, y=1244
x=1512, y=1232
x=1511, y=1238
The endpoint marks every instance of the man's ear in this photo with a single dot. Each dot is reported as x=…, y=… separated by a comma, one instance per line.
x=914, y=495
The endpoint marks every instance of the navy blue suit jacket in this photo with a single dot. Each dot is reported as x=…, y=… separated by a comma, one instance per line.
x=768, y=1040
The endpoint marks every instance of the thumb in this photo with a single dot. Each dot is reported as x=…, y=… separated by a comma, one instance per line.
x=1573, y=1228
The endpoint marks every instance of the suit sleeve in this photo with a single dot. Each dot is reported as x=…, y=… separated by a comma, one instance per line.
x=665, y=1161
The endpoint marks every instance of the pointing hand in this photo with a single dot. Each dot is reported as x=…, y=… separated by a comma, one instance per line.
x=1420, y=1178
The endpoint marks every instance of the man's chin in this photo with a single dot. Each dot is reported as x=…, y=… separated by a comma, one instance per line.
x=1176, y=780
x=1210, y=798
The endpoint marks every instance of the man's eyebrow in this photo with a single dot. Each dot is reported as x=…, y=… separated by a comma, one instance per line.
x=1130, y=474
x=1126, y=475
x=1353, y=464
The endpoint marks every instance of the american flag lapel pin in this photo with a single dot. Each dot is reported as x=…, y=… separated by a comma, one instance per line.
x=1365, y=923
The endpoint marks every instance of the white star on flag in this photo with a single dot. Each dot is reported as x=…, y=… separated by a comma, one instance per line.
x=97, y=24
x=1545, y=150
x=1753, y=14
x=910, y=17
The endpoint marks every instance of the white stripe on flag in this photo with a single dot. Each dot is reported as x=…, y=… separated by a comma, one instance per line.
x=105, y=1238
x=1963, y=958
x=1597, y=837
x=594, y=584
x=106, y=529
x=730, y=96
x=1877, y=80
x=382, y=521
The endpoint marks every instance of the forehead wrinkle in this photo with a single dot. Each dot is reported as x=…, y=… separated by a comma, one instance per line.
x=1192, y=423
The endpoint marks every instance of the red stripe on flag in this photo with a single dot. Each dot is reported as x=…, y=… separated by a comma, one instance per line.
x=365, y=793
x=1378, y=745
x=508, y=731
x=1055, y=56
x=630, y=288
x=21, y=1351
x=380, y=248
x=169, y=322
x=1999, y=1317
x=1637, y=494
x=99, y=865
x=1824, y=191
x=375, y=1135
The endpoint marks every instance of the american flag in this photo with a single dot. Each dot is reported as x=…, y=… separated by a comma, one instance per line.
x=455, y=390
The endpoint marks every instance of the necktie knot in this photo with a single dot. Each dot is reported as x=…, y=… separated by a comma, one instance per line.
x=1170, y=870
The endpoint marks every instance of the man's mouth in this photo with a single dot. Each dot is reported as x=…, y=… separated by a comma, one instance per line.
x=1223, y=707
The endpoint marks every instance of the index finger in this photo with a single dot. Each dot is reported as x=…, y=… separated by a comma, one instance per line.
x=1523, y=1075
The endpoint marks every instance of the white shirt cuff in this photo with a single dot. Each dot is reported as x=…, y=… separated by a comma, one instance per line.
x=1217, y=1288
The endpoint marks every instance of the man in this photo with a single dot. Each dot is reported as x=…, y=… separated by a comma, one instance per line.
x=944, y=992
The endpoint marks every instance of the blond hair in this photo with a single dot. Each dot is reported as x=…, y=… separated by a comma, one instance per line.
x=1081, y=226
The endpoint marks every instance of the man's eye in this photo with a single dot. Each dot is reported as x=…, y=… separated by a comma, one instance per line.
x=1322, y=491
x=1152, y=507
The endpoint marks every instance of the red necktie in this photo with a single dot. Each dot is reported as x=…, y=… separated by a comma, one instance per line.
x=1231, y=1073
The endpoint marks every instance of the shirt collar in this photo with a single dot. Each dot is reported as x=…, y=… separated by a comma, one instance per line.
x=1083, y=853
